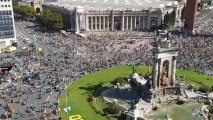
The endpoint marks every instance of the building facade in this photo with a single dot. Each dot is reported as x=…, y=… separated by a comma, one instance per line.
x=81, y=18
x=7, y=26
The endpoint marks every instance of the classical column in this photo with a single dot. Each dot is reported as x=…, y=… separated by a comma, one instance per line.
x=173, y=70
x=108, y=22
x=155, y=74
x=127, y=22
x=122, y=22
x=131, y=23
x=91, y=22
x=135, y=26
x=87, y=23
x=104, y=23
x=96, y=23
x=100, y=22
x=112, y=23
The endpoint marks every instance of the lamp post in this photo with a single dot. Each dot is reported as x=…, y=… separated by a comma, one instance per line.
x=167, y=110
x=66, y=96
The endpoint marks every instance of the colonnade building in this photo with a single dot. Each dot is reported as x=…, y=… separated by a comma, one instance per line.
x=114, y=15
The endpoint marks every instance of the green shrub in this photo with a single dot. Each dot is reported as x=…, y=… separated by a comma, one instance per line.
x=95, y=107
x=212, y=88
x=204, y=89
x=114, y=109
x=91, y=98
x=24, y=10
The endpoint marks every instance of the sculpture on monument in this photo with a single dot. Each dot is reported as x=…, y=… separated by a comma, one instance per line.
x=164, y=75
x=164, y=79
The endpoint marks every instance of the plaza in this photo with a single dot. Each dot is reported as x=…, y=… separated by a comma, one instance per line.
x=110, y=15
x=88, y=65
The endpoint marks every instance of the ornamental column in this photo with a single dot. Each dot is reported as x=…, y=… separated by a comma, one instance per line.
x=155, y=74
x=127, y=22
x=87, y=23
x=108, y=22
x=131, y=23
x=112, y=23
x=173, y=71
x=122, y=22
x=96, y=23
x=100, y=22
x=91, y=22
x=104, y=23
x=135, y=26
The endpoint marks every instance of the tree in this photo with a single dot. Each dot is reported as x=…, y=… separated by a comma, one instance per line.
x=169, y=19
x=51, y=20
x=183, y=13
x=166, y=19
x=114, y=108
x=173, y=17
x=24, y=10
x=200, y=5
x=57, y=21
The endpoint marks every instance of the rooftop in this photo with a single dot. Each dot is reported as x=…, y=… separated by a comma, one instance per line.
x=117, y=4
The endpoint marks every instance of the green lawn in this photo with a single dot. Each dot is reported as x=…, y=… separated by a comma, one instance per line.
x=196, y=78
x=78, y=91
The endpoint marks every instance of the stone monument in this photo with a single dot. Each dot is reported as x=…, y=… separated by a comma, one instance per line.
x=164, y=65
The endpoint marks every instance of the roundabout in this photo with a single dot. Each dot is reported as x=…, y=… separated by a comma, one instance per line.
x=96, y=83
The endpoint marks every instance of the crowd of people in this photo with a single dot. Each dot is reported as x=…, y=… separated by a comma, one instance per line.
x=64, y=58
x=116, y=48
x=196, y=54
x=204, y=22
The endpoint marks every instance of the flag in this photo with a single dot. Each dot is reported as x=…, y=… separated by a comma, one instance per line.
x=67, y=109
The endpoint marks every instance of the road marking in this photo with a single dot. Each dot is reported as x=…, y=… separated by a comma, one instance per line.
x=51, y=93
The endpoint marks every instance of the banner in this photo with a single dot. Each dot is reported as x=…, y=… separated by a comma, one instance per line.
x=67, y=109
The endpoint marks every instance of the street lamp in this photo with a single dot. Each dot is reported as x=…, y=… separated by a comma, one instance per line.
x=66, y=96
